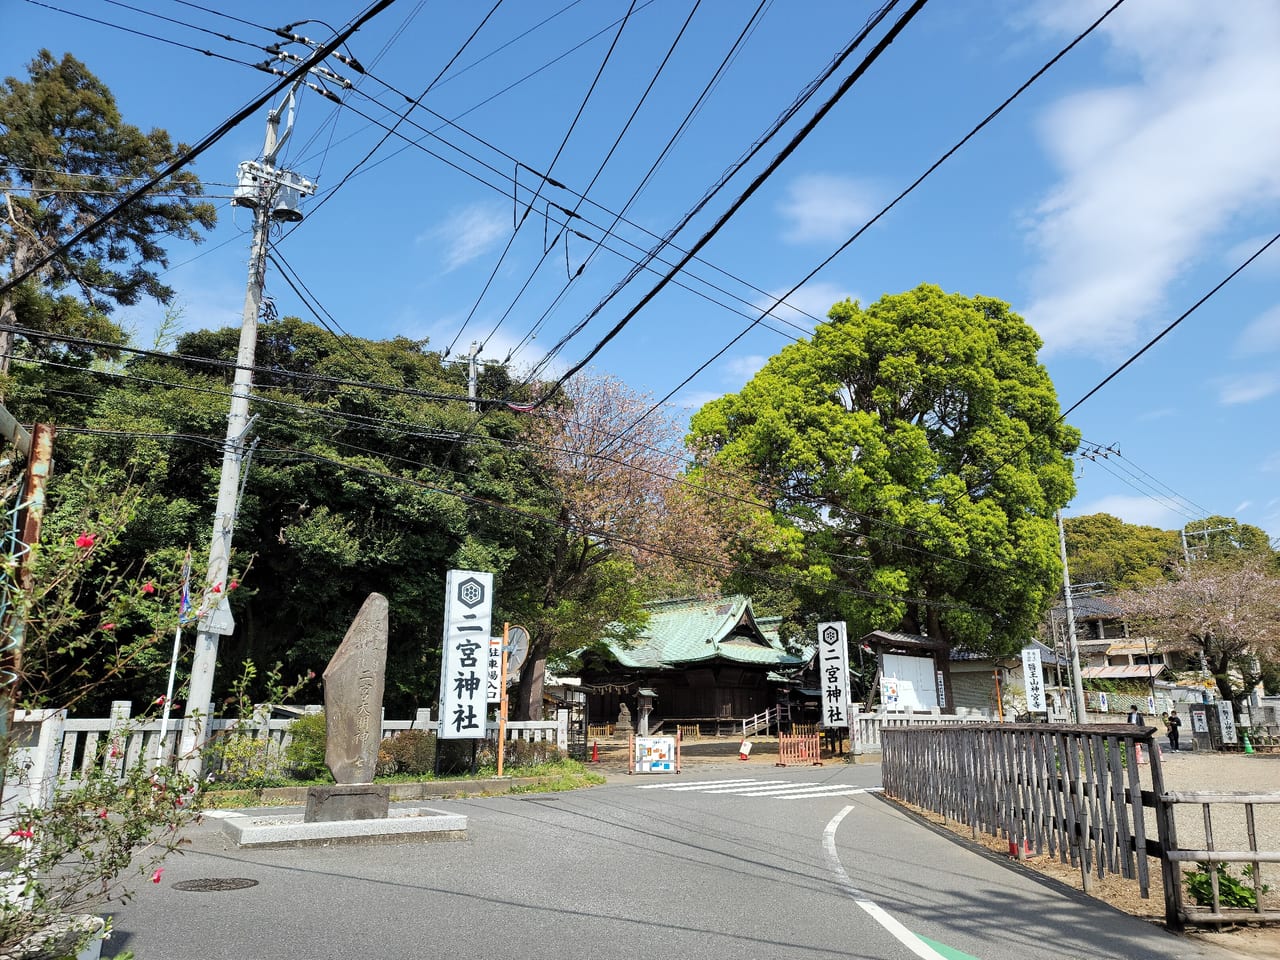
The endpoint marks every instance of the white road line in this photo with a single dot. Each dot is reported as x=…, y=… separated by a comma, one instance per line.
x=221, y=814
x=685, y=783
x=873, y=910
x=737, y=785
x=832, y=792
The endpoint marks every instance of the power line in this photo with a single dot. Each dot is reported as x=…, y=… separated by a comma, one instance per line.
x=893, y=203
x=205, y=143
x=746, y=194
x=541, y=183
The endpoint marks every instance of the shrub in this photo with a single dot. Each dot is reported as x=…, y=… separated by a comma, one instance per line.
x=243, y=760
x=408, y=751
x=525, y=753
x=305, y=752
x=1231, y=892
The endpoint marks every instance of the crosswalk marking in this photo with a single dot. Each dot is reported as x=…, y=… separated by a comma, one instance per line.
x=773, y=789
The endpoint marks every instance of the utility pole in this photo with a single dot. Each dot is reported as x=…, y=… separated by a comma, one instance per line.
x=473, y=375
x=272, y=195
x=1077, y=686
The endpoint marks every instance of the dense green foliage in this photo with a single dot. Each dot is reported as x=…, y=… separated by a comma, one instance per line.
x=66, y=157
x=915, y=449
x=1104, y=550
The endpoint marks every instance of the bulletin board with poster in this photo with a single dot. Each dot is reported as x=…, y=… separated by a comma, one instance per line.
x=655, y=755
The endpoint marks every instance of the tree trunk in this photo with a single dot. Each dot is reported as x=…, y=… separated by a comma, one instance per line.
x=527, y=703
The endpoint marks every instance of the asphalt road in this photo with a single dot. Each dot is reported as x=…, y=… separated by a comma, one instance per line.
x=690, y=867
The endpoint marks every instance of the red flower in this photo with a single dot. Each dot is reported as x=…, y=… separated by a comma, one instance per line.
x=86, y=540
x=25, y=833
x=102, y=814
x=233, y=584
x=216, y=588
x=177, y=801
x=148, y=587
x=160, y=700
x=108, y=626
x=155, y=877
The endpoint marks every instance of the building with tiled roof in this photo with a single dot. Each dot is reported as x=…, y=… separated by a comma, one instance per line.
x=705, y=659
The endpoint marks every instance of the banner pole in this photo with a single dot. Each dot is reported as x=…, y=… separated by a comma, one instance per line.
x=502, y=697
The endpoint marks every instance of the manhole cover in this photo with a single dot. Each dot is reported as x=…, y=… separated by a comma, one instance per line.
x=215, y=884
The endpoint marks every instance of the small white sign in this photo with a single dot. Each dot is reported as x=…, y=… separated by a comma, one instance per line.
x=889, y=692
x=942, y=689
x=493, y=674
x=833, y=674
x=1033, y=680
x=468, y=616
x=1227, y=722
x=1199, y=721
x=1102, y=701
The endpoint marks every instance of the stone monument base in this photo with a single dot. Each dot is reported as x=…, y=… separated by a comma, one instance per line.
x=347, y=801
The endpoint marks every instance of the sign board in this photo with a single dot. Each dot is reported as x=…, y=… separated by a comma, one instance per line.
x=1199, y=721
x=493, y=673
x=942, y=689
x=468, y=615
x=655, y=754
x=1102, y=701
x=1227, y=722
x=1033, y=680
x=889, y=692
x=833, y=674
x=1151, y=705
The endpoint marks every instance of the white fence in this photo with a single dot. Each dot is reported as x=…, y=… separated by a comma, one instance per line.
x=117, y=743
x=869, y=725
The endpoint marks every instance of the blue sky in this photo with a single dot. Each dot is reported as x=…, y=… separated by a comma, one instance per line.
x=1119, y=189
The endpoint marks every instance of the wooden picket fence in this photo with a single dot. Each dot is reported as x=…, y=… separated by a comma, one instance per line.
x=1074, y=792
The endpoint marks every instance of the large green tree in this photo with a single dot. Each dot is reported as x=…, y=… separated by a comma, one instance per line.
x=916, y=448
x=350, y=489
x=67, y=156
x=1104, y=550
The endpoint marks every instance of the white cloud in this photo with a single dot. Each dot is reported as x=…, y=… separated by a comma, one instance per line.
x=468, y=233
x=1152, y=170
x=1241, y=507
x=1260, y=336
x=745, y=367
x=1133, y=509
x=1247, y=389
x=695, y=400
x=821, y=207
x=1271, y=464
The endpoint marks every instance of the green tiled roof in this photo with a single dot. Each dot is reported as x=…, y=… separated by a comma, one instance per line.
x=683, y=632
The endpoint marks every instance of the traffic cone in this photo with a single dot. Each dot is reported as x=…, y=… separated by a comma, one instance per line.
x=1248, y=747
x=595, y=751
x=744, y=750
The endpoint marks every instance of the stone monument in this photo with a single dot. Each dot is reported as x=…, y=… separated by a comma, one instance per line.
x=623, y=726
x=353, y=685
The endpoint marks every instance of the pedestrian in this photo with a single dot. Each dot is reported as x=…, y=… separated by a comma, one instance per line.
x=1134, y=716
x=1173, y=725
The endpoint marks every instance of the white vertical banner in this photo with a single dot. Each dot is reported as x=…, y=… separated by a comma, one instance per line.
x=1226, y=722
x=1033, y=680
x=493, y=675
x=833, y=674
x=468, y=616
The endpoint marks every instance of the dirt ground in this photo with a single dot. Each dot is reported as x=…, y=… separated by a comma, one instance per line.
x=1185, y=771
